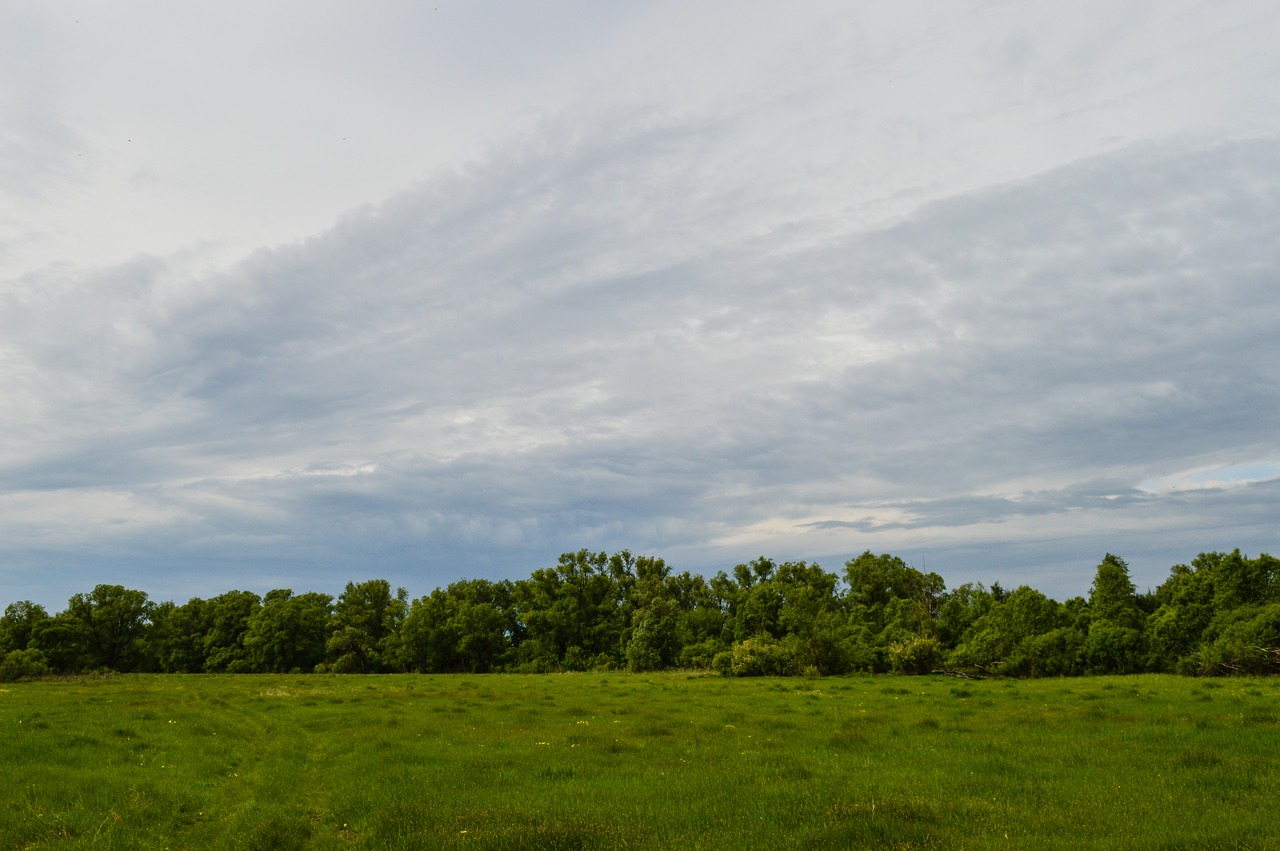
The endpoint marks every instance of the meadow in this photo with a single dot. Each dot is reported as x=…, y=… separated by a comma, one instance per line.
x=674, y=760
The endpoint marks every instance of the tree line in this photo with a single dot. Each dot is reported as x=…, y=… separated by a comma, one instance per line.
x=595, y=611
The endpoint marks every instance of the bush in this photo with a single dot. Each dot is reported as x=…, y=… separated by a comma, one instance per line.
x=604, y=663
x=574, y=659
x=1113, y=649
x=1251, y=645
x=23, y=665
x=760, y=657
x=864, y=657
x=1057, y=653
x=348, y=663
x=701, y=655
x=917, y=655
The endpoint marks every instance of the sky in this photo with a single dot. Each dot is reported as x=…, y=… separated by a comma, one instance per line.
x=302, y=293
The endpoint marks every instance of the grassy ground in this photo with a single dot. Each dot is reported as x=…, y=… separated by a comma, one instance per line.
x=636, y=761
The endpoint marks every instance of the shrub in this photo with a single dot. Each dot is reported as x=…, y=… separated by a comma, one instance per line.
x=701, y=655
x=1057, y=653
x=23, y=665
x=1251, y=645
x=1113, y=649
x=761, y=657
x=917, y=655
x=574, y=659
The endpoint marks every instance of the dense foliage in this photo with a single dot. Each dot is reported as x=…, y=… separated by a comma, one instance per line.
x=1218, y=615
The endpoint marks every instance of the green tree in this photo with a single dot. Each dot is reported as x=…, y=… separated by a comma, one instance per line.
x=1175, y=630
x=112, y=622
x=918, y=655
x=62, y=641
x=961, y=608
x=365, y=628
x=572, y=616
x=1112, y=596
x=289, y=631
x=701, y=622
x=875, y=583
x=1114, y=644
x=758, y=601
x=467, y=627
x=1113, y=649
x=1004, y=638
x=1198, y=602
x=893, y=602
x=642, y=579
x=1237, y=581
x=177, y=636
x=1059, y=652
x=229, y=619
x=812, y=615
x=1249, y=644
x=654, y=643
x=19, y=624
x=203, y=635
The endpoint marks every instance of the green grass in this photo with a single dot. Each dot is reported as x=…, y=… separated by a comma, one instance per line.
x=635, y=761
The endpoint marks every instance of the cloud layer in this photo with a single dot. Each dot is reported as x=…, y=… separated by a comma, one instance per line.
x=708, y=329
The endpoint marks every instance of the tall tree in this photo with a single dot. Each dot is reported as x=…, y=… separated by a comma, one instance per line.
x=1112, y=596
x=1114, y=644
x=960, y=610
x=289, y=632
x=572, y=615
x=19, y=623
x=113, y=621
x=178, y=636
x=467, y=627
x=1004, y=638
x=892, y=598
x=654, y=642
x=365, y=627
x=229, y=618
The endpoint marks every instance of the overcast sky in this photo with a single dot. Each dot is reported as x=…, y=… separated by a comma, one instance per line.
x=298, y=293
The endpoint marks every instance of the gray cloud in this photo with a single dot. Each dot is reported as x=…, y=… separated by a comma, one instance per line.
x=599, y=344
x=959, y=288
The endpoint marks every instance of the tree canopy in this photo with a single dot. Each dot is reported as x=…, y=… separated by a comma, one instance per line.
x=1220, y=614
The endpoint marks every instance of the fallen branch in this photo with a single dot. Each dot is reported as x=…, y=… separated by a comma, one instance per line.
x=958, y=675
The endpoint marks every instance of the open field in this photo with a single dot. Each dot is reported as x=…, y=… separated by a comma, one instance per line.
x=637, y=761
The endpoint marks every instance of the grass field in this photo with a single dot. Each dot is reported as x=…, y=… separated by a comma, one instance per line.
x=638, y=761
